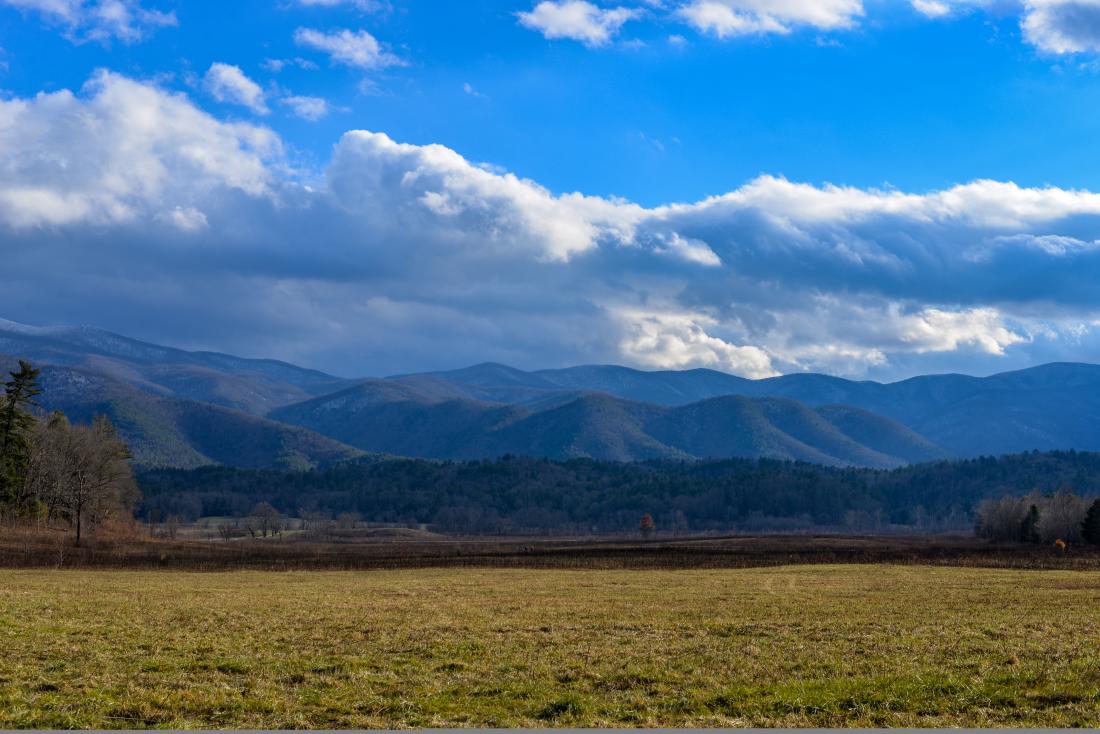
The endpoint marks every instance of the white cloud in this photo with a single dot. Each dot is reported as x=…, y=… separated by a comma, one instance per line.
x=377, y=177
x=692, y=251
x=365, y=5
x=277, y=65
x=307, y=108
x=469, y=89
x=401, y=253
x=98, y=20
x=227, y=83
x=935, y=330
x=727, y=18
x=1063, y=26
x=187, y=219
x=577, y=20
x=358, y=49
x=680, y=340
x=944, y=8
x=124, y=152
x=1055, y=27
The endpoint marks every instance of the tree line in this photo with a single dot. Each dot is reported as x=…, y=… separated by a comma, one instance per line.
x=53, y=471
x=1040, y=518
x=517, y=494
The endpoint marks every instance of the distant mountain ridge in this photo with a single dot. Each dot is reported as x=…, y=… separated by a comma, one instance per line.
x=1049, y=407
x=175, y=432
x=394, y=417
x=254, y=386
x=190, y=408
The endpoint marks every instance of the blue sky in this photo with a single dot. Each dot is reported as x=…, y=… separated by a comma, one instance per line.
x=900, y=100
x=902, y=186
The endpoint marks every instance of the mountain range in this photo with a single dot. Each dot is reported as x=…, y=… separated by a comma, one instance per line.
x=187, y=409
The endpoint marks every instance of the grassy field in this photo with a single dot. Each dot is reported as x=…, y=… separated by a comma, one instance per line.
x=792, y=646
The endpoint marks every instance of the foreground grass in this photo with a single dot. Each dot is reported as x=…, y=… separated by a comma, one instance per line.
x=815, y=645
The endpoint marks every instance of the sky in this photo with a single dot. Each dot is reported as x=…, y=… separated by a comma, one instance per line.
x=869, y=188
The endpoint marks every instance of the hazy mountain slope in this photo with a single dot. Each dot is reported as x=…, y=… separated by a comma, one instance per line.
x=732, y=427
x=1055, y=406
x=399, y=419
x=183, y=433
x=597, y=426
x=881, y=434
x=487, y=382
x=252, y=385
x=391, y=417
x=662, y=387
x=499, y=383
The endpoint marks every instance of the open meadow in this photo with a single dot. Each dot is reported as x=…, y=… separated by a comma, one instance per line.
x=830, y=645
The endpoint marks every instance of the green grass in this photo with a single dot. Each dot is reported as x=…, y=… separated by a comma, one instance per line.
x=814, y=645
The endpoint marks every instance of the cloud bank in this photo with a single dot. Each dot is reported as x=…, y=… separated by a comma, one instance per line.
x=156, y=218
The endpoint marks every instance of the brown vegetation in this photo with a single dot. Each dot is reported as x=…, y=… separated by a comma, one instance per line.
x=405, y=548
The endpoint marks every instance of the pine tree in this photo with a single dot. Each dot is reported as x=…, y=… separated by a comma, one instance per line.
x=1090, y=528
x=16, y=425
x=1029, y=529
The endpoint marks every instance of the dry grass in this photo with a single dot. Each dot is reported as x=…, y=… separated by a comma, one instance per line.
x=792, y=646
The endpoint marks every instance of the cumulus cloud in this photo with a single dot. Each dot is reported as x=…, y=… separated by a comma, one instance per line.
x=1063, y=26
x=405, y=256
x=727, y=18
x=433, y=186
x=680, y=340
x=357, y=49
x=122, y=152
x=98, y=20
x=935, y=330
x=577, y=20
x=227, y=83
x=1054, y=27
x=307, y=108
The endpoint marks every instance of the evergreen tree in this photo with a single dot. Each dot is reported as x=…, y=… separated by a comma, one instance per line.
x=1090, y=528
x=1029, y=529
x=16, y=425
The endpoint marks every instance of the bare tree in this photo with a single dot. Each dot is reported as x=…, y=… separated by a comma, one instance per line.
x=82, y=473
x=1001, y=519
x=227, y=530
x=1060, y=517
x=50, y=464
x=264, y=519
